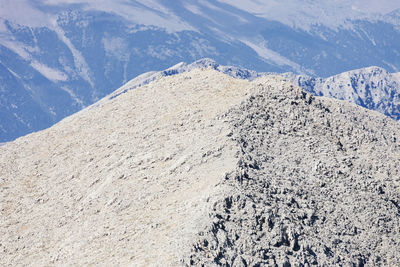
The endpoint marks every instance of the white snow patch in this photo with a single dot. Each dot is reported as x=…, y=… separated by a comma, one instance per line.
x=151, y=13
x=368, y=36
x=212, y=6
x=116, y=47
x=16, y=47
x=392, y=66
x=13, y=73
x=73, y=96
x=20, y=119
x=50, y=73
x=79, y=60
x=194, y=9
x=261, y=49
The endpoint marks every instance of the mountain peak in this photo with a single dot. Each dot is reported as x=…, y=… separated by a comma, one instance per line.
x=190, y=176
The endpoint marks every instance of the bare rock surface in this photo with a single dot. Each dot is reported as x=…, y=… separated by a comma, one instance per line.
x=199, y=169
x=317, y=183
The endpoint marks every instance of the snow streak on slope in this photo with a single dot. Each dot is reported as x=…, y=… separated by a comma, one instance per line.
x=80, y=63
x=304, y=14
x=272, y=56
x=51, y=74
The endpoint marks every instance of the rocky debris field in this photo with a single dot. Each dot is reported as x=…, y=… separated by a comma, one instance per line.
x=317, y=183
x=204, y=169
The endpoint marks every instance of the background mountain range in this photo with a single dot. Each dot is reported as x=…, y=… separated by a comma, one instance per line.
x=57, y=57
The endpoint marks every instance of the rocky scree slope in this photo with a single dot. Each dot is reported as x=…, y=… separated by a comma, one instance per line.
x=212, y=171
x=317, y=183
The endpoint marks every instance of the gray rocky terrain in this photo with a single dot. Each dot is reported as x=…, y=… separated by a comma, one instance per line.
x=204, y=169
x=317, y=183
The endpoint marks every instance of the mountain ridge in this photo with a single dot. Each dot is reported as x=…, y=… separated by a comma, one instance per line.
x=356, y=86
x=216, y=170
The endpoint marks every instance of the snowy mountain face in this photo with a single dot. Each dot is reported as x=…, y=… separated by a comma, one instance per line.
x=57, y=57
x=373, y=88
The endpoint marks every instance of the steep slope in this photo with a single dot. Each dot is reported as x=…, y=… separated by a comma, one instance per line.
x=125, y=182
x=66, y=55
x=202, y=168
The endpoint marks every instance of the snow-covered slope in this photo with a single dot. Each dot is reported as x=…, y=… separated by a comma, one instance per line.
x=373, y=88
x=57, y=57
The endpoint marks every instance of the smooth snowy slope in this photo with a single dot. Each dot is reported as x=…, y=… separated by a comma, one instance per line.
x=57, y=57
x=202, y=168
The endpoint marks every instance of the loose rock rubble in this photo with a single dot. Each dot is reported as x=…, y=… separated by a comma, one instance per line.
x=317, y=183
x=206, y=170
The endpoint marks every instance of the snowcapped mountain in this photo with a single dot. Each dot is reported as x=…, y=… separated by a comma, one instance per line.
x=58, y=56
x=373, y=88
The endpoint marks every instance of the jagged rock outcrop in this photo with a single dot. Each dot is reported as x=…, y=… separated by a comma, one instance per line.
x=204, y=169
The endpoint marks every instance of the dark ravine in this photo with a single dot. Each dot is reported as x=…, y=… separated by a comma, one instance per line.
x=313, y=186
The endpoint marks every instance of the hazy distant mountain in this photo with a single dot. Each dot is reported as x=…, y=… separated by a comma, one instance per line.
x=373, y=88
x=57, y=57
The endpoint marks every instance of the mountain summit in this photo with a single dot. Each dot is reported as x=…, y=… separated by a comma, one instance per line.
x=201, y=168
